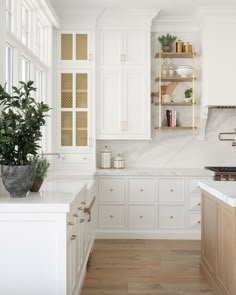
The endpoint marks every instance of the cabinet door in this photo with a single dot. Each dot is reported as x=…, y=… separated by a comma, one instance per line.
x=74, y=46
x=141, y=216
x=136, y=104
x=111, y=48
x=112, y=216
x=110, y=104
x=226, y=248
x=74, y=105
x=171, y=190
x=171, y=216
x=135, y=44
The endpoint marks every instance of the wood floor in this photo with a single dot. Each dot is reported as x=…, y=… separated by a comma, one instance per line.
x=143, y=267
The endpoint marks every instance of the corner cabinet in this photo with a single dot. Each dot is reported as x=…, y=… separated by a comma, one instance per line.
x=167, y=84
x=123, y=85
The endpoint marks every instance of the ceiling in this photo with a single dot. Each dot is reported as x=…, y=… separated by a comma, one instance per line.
x=168, y=8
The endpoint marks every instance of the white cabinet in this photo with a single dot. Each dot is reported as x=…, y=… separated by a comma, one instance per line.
x=171, y=190
x=112, y=216
x=111, y=190
x=122, y=47
x=141, y=190
x=218, y=51
x=123, y=85
x=141, y=216
x=171, y=216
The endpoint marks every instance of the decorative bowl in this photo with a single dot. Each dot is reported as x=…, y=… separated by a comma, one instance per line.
x=184, y=71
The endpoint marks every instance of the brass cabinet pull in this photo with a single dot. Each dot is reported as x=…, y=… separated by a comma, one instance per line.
x=199, y=222
x=73, y=237
x=80, y=208
x=172, y=190
x=111, y=190
x=111, y=216
x=81, y=220
x=141, y=190
x=88, y=210
x=83, y=203
x=75, y=215
x=70, y=223
x=199, y=204
x=141, y=216
x=171, y=217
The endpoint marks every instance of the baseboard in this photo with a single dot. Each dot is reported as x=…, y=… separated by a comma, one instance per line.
x=151, y=235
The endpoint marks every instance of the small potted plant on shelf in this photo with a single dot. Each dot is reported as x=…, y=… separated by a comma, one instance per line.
x=21, y=120
x=167, y=42
x=41, y=165
x=188, y=95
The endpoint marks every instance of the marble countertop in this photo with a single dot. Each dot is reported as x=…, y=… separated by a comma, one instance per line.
x=223, y=190
x=54, y=196
x=156, y=172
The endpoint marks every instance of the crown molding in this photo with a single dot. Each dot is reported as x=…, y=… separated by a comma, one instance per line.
x=48, y=9
x=110, y=16
x=175, y=24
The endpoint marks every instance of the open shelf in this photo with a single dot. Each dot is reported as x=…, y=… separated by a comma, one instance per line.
x=175, y=55
x=179, y=127
x=176, y=79
x=176, y=103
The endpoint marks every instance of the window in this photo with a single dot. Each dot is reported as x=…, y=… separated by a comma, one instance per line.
x=25, y=23
x=25, y=74
x=39, y=40
x=9, y=67
x=10, y=15
x=39, y=84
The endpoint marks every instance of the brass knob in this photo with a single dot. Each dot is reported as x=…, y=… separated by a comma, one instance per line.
x=141, y=216
x=141, y=190
x=73, y=237
x=111, y=216
x=199, y=204
x=171, y=217
x=75, y=215
x=80, y=208
x=199, y=222
x=111, y=190
x=172, y=190
x=81, y=220
x=83, y=203
x=70, y=223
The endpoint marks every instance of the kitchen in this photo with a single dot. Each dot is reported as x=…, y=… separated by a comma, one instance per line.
x=156, y=195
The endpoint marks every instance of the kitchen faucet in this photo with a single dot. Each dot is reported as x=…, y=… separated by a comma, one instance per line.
x=228, y=139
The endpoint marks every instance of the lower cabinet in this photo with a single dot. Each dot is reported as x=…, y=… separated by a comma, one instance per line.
x=155, y=207
x=218, y=255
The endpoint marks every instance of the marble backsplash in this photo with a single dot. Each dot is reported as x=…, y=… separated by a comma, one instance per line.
x=179, y=148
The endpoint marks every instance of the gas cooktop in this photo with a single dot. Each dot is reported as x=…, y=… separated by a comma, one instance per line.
x=221, y=169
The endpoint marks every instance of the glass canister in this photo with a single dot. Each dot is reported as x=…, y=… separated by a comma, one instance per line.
x=106, y=158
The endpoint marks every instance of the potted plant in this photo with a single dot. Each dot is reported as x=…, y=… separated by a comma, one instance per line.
x=21, y=120
x=41, y=165
x=167, y=42
x=188, y=94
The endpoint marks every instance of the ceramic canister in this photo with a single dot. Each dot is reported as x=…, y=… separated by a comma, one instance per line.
x=106, y=158
x=118, y=162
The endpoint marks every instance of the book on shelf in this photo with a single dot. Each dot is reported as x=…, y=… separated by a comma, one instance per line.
x=171, y=118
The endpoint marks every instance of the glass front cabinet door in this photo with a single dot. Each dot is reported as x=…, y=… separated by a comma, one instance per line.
x=74, y=46
x=74, y=99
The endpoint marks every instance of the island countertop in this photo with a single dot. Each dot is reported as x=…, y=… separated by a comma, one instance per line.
x=223, y=190
x=54, y=196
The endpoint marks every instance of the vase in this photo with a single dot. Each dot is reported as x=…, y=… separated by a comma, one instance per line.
x=36, y=186
x=166, y=48
x=18, y=180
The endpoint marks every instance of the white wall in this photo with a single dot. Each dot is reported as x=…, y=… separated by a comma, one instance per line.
x=178, y=148
x=2, y=40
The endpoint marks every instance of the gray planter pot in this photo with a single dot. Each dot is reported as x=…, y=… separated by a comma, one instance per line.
x=18, y=180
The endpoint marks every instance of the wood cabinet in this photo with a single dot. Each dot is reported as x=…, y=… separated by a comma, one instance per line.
x=167, y=84
x=218, y=255
x=124, y=78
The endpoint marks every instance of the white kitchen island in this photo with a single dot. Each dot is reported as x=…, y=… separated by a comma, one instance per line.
x=46, y=239
x=218, y=235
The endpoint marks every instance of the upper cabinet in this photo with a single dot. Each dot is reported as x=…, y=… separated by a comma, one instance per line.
x=124, y=84
x=74, y=46
x=218, y=64
x=122, y=48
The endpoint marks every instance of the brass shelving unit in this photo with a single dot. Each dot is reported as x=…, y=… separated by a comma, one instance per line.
x=160, y=79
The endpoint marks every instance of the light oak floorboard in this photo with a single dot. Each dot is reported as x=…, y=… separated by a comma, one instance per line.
x=143, y=267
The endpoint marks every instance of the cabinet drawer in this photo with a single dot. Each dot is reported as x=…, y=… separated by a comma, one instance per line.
x=193, y=185
x=111, y=216
x=141, y=190
x=194, y=221
x=111, y=190
x=141, y=216
x=171, y=216
x=171, y=190
x=194, y=203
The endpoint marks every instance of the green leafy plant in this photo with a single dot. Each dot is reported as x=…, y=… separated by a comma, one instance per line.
x=167, y=40
x=188, y=92
x=21, y=120
x=41, y=165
